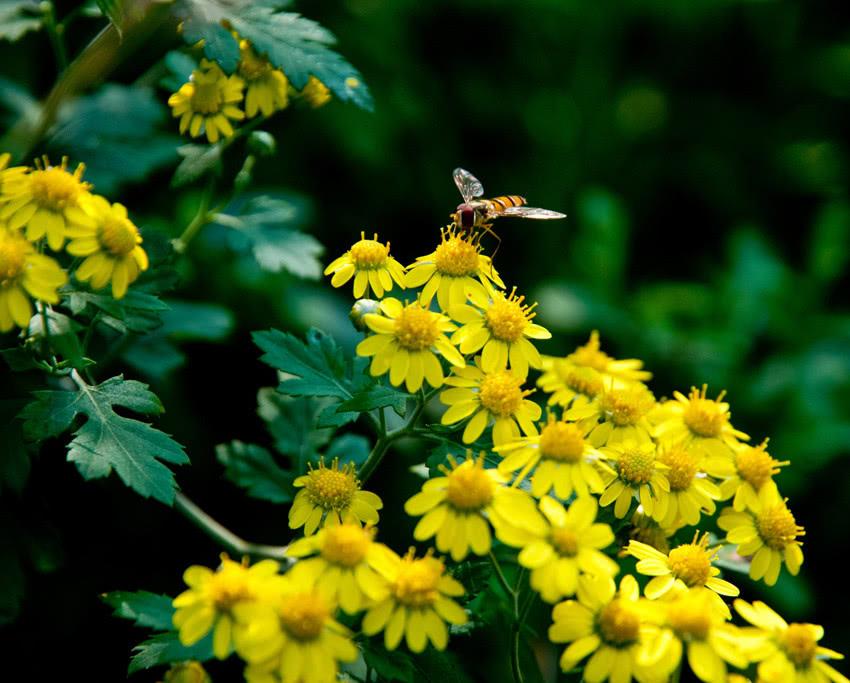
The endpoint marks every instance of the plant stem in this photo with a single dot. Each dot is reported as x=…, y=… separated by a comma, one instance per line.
x=516, y=671
x=54, y=32
x=234, y=544
x=199, y=220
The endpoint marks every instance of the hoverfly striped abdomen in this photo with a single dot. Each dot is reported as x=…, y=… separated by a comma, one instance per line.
x=499, y=204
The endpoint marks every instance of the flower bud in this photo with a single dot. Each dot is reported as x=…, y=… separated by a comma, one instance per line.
x=187, y=672
x=360, y=308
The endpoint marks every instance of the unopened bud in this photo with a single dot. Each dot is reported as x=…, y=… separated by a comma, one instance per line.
x=262, y=143
x=360, y=308
x=187, y=672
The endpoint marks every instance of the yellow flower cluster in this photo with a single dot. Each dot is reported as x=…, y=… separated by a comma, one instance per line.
x=211, y=101
x=50, y=206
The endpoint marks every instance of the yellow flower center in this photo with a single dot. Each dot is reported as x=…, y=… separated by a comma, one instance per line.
x=118, y=235
x=777, y=527
x=229, y=586
x=618, y=623
x=565, y=541
x=416, y=328
x=346, y=544
x=590, y=355
x=584, y=380
x=647, y=530
x=206, y=97
x=691, y=563
x=331, y=488
x=456, y=256
x=469, y=487
x=703, y=416
x=755, y=466
x=683, y=467
x=186, y=672
x=690, y=618
x=799, y=644
x=367, y=254
x=417, y=582
x=636, y=465
x=304, y=615
x=251, y=65
x=13, y=257
x=507, y=317
x=54, y=188
x=562, y=441
x=500, y=393
x=625, y=407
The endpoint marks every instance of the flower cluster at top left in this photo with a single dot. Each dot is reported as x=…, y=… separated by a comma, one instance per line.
x=49, y=207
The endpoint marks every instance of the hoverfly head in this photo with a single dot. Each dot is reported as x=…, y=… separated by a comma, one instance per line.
x=466, y=216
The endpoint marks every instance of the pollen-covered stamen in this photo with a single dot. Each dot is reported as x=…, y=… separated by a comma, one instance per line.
x=703, y=416
x=501, y=393
x=53, y=187
x=508, y=317
x=756, y=466
x=584, y=380
x=13, y=258
x=418, y=579
x=565, y=541
x=618, y=623
x=303, y=615
x=777, y=526
x=331, y=488
x=346, y=544
x=691, y=562
x=469, y=486
x=416, y=328
x=367, y=254
x=457, y=254
x=590, y=354
x=206, y=96
x=626, y=406
x=636, y=464
x=690, y=618
x=800, y=644
x=683, y=464
x=561, y=441
x=118, y=235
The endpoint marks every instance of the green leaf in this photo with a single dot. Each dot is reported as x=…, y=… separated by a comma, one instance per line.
x=106, y=440
x=293, y=425
x=149, y=610
x=390, y=665
x=829, y=249
x=114, y=10
x=347, y=448
x=198, y=160
x=202, y=20
x=374, y=396
x=135, y=312
x=165, y=648
x=180, y=67
x=62, y=333
x=18, y=17
x=253, y=468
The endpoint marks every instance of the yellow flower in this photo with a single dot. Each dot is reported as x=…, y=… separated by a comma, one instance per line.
x=636, y=474
x=24, y=273
x=569, y=545
x=341, y=569
x=419, y=604
x=649, y=532
x=691, y=493
x=494, y=396
x=187, y=672
x=606, y=624
x=454, y=268
x=616, y=415
x=457, y=507
x=370, y=264
x=316, y=93
x=617, y=371
x=690, y=623
x=500, y=327
x=208, y=102
x=330, y=496
x=9, y=176
x=570, y=385
x=292, y=632
x=560, y=457
x=266, y=88
x=788, y=652
x=209, y=602
x=406, y=343
x=109, y=241
x=749, y=470
x=768, y=532
x=697, y=420
x=42, y=199
x=686, y=566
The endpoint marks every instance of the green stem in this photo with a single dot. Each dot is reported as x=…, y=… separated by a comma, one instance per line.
x=676, y=674
x=202, y=216
x=515, y=626
x=54, y=32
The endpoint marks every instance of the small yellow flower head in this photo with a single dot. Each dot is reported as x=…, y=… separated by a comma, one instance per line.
x=592, y=356
x=419, y=603
x=370, y=264
x=691, y=493
x=330, y=496
x=41, y=200
x=636, y=474
x=109, y=242
x=649, y=532
x=208, y=102
x=24, y=274
x=496, y=396
x=316, y=93
x=266, y=87
x=749, y=471
x=187, y=672
x=570, y=385
x=616, y=415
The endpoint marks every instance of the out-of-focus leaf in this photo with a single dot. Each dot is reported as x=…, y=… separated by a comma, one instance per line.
x=599, y=255
x=351, y=448
x=136, y=312
x=389, y=665
x=18, y=102
x=202, y=21
x=14, y=459
x=145, y=609
x=253, y=468
x=62, y=333
x=198, y=160
x=829, y=248
x=115, y=10
x=18, y=17
x=180, y=67
x=165, y=648
x=292, y=422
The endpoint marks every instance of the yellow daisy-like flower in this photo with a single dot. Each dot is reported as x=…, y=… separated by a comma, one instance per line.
x=419, y=604
x=266, y=88
x=457, y=507
x=500, y=327
x=187, y=672
x=637, y=474
x=453, y=269
x=316, y=93
x=292, y=633
x=342, y=568
x=788, y=652
x=768, y=532
x=697, y=420
x=209, y=603
x=330, y=496
x=109, y=242
x=689, y=623
x=749, y=470
x=208, y=102
x=25, y=273
x=560, y=457
x=370, y=264
x=649, y=532
x=570, y=385
x=686, y=566
x=616, y=415
x=9, y=175
x=487, y=397
x=691, y=493
x=608, y=625
x=42, y=199
x=406, y=342
x=590, y=355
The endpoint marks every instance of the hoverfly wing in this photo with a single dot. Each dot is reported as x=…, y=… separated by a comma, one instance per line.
x=531, y=212
x=469, y=186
